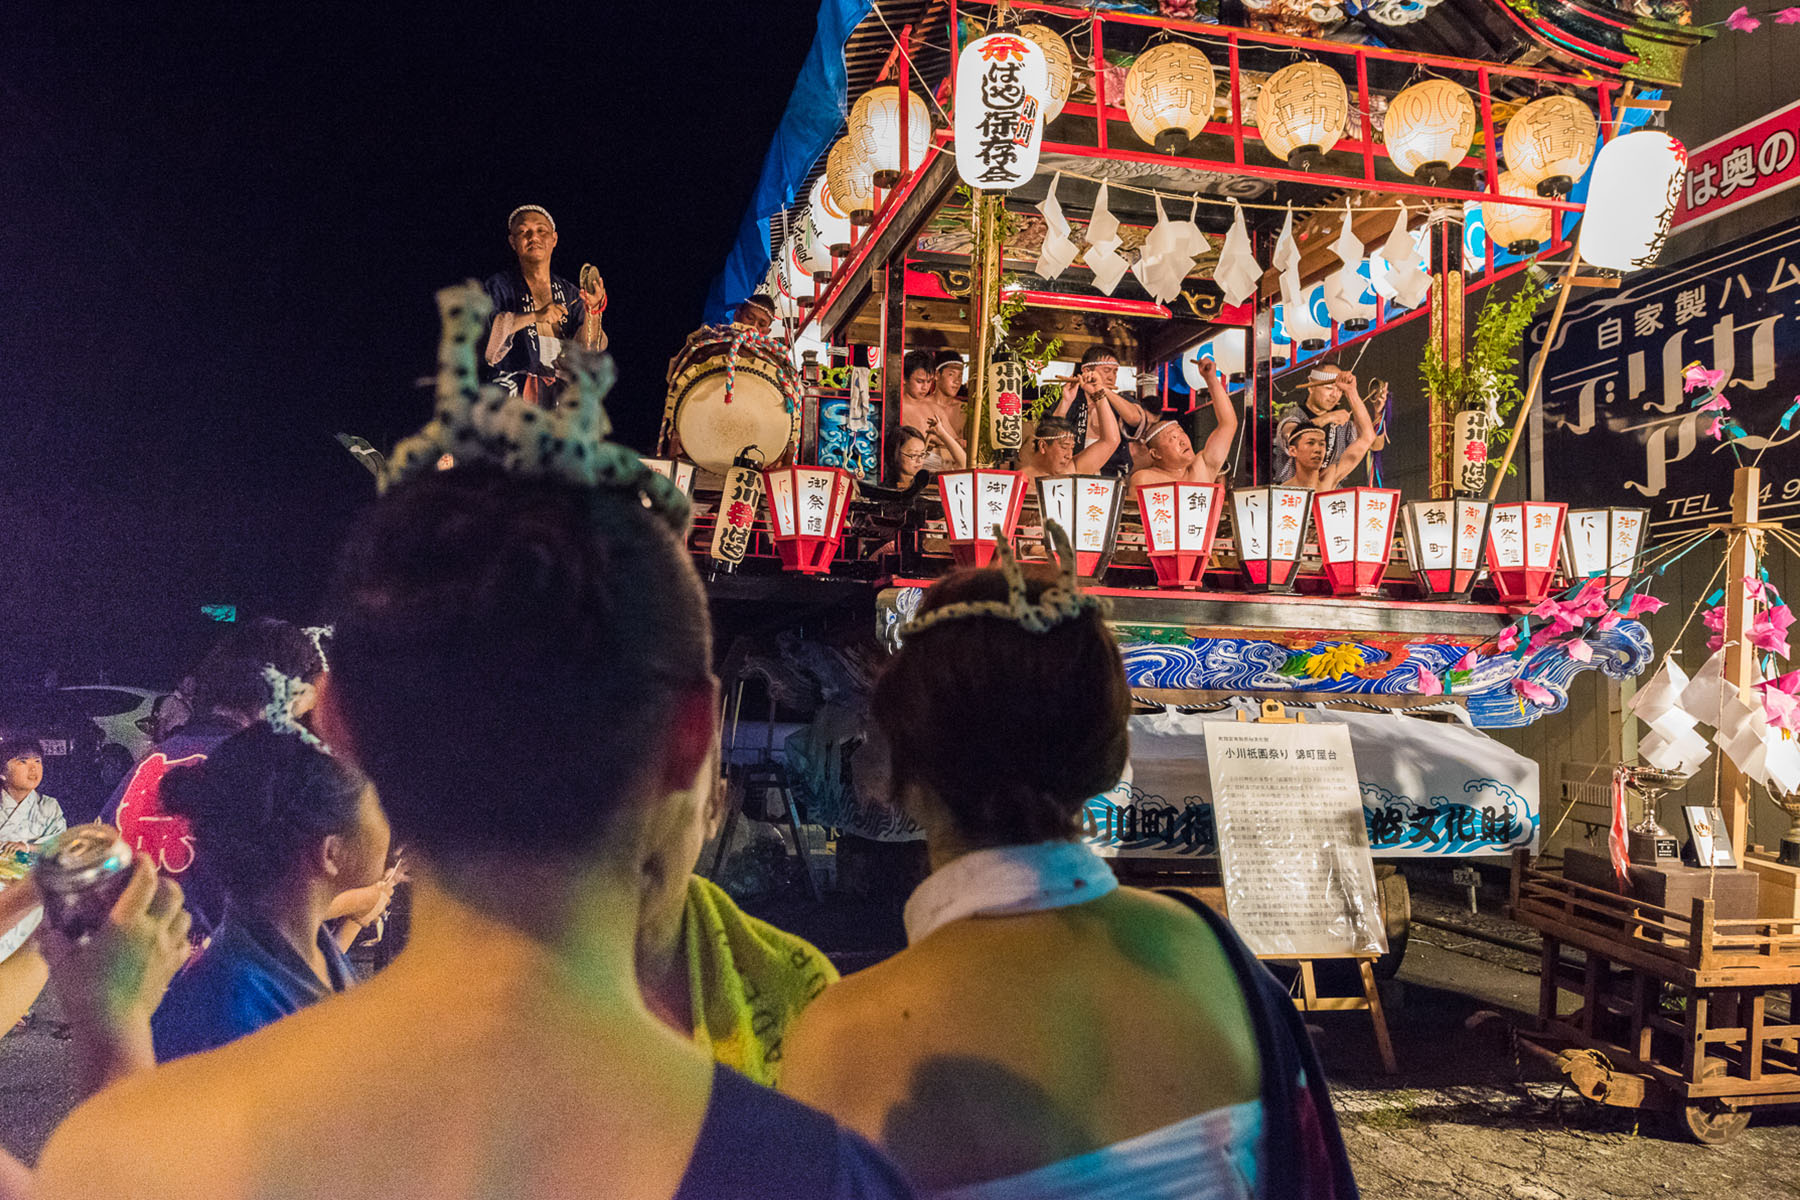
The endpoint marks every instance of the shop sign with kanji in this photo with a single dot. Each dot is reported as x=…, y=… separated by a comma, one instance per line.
x=1746, y=165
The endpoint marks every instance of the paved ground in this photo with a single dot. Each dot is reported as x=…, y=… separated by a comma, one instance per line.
x=1462, y=1120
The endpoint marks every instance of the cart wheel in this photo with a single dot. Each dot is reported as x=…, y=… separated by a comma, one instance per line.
x=1396, y=913
x=1708, y=1121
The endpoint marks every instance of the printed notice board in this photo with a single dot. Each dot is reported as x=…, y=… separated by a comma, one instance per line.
x=1293, y=847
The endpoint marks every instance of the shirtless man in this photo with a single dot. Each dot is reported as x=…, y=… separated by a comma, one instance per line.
x=1330, y=391
x=925, y=406
x=1172, y=455
x=1309, y=446
x=1051, y=448
x=1097, y=379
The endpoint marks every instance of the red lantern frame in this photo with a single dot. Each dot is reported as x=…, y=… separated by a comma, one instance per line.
x=1271, y=569
x=1521, y=577
x=1180, y=548
x=1466, y=537
x=974, y=502
x=806, y=542
x=1357, y=522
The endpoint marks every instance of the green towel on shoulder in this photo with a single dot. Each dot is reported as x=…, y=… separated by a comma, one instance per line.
x=748, y=979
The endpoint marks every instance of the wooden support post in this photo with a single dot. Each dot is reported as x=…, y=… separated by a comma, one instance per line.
x=1740, y=660
x=1446, y=318
x=984, y=304
x=893, y=349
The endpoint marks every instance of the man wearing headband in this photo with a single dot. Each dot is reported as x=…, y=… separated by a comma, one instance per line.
x=535, y=310
x=1328, y=388
x=1308, y=447
x=1098, y=379
x=1052, y=447
x=1172, y=455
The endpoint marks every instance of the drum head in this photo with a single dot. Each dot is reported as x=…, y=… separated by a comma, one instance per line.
x=713, y=431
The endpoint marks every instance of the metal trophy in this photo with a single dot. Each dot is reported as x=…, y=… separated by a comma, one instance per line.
x=1650, y=845
x=1790, y=841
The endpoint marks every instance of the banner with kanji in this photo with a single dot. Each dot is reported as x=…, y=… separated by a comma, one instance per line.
x=1618, y=428
x=1748, y=164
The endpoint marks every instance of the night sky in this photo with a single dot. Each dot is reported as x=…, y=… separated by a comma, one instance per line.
x=220, y=231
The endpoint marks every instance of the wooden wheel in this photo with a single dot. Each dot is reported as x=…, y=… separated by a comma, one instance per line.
x=1710, y=1122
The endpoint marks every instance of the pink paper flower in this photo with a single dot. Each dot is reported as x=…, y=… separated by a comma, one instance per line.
x=1609, y=620
x=1580, y=651
x=1765, y=637
x=1780, y=618
x=1788, y=16
x=1754, y=587
x=1696, y=376
x=1537, y=693
x=1716, y=404
x=1741, y=20
x=1548, y=609
x=1508, y=641
x=1714, y=618
x=1429, y=683
x=1466, y=662
x=1641, y=604
x=1715, y=643
x=1716, y=430
x=1780, y=709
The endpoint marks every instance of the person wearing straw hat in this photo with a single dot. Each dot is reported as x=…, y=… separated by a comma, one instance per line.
x=535, y=311
x=1329, y=403
x=1171, y=455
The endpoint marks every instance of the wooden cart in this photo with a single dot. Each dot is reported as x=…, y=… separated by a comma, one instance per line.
x=1675, y=1008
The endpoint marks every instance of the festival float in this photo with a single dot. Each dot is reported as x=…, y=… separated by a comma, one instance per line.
x=1259, y=187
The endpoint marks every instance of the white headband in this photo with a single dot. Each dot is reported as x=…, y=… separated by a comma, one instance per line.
x=525, y=208
x=1322, y=375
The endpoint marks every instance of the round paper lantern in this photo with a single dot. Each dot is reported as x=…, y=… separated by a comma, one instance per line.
x=1300, y=113
x=1631, y=199
x=1550, y=142
x=1429, y=129
x=875, y=129
x=1060, y=64
x=815, y=258
x=1519, y=227
x=830, y=222
x=1169, y=95
x=852, y=181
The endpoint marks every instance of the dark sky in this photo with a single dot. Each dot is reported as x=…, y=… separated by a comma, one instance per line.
x=220, y=230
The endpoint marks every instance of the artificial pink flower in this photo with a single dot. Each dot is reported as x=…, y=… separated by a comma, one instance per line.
x=1508, y=641
x=1780, y=618
x=1742, y=21
x=1466, y=662
x=1641, y=604
x=1788, y=16
x=1754, y=587
x=1543, y=637
x=1609, y=620
x=1715, y=643
x=1780, y=705
x=1548, y=609
x=1716, y=404
x=1714, y=618
x=1696, y=376
x=1592, y=600
x=1716, y=430
x=1537, y=693
x=1580, y=651
x=1429, y=683
x=1765, y=637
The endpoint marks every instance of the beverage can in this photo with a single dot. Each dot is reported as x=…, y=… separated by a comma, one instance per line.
x=80, y=874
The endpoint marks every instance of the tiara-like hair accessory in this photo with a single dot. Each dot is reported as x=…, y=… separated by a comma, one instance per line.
x=286, y=696
x=528, y=208
x=316, y=634
x=485, y=424
x=1056, y=606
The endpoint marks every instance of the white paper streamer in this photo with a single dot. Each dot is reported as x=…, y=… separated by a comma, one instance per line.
x=1237, y=273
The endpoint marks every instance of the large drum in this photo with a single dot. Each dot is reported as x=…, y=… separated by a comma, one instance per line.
x=731, y=388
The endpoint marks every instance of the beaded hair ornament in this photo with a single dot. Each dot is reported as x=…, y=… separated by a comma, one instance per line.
x=1056, y=606
x=472, y=423
x=288, y=698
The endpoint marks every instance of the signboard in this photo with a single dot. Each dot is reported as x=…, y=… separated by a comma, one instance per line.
x=1292, y=848
x=1002, y=85
x=1618, y=428
x=1748, y=164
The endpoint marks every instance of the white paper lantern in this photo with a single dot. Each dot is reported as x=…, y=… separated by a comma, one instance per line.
x=1087, y=507
x=1229, y=352
x=1522, y=544
x=1550, y=142
x=1300, y=113
x=1631, y=199
x=975, y=501
x=852, y=181
x=875, y=128
x=1444, y=541
x=1268, y=525
x=1518, y=227
x=815, y=257
x=829, y=219
x=1355, y=528
x=1059, y=64
x=1169, y=95
x=1002, y=91
x=1180, y=520
x=1429, y=128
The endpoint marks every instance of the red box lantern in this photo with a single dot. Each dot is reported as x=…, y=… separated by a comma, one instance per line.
x=1180, y=522
x=1522, y=544
x=1604, y=544
x=806, y=514
x=678, y=471
x=1087, y=507
x=974, y=502
x=1269, y=527
x=1355, y=528
x=1444, y=540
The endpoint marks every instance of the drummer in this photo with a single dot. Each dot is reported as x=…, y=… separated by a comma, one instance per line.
x=756, y=313
x=535, y=311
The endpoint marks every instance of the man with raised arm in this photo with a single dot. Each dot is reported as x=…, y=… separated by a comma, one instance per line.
x=1051, y=449
x=1172, y=455
x=1310, y=448
x=535, y=310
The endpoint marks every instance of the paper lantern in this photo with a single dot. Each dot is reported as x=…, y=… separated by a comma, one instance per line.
x=1469, y=443
x=1550, y=142
x=1169, y=95
x=1518, y=227
x=1631, y=198
x=1428, y=129
x=852, y=181
x=1444, y=540
x=1281, y=346
x=806, y=514
x=1309, y=322
x=830, y=221
x=1229, y=352
x=1355, y=528
x=678, y=471
x=1269, y=528
x=1058, y=64
x=1300, y=113
x=736, y=518
x=1007, y=378
x=1180, y=522
x=974, y=502
x=1522, y=543
x=1087, y=507
x=1002, y=90
x=875, y=128
x=813, y=255
x=1604, y=544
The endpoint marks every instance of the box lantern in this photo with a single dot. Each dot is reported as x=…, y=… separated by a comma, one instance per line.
x=1443, y=545
x=1180, y=521
x=806, y=514
x=1355, y=528
x=1604, y=544
x=974, y=502
x=1087, y=507
x=678, y=471
x=1269, y=525
x=1522, y=543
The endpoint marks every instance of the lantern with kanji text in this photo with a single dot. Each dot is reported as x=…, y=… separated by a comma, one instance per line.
x=1169, y=95
x=1522, y=542
x=1002, y=92
x=1443, y=545
x=1604, y=544
x=1268, y=526
x=1087, y=507
x=1355, y=528
x=974, y=502
x=1300, y=113
x=806, y=514
x=678, y=471
x=1180, y=520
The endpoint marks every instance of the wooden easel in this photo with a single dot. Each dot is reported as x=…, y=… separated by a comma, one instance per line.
x=1309, y=999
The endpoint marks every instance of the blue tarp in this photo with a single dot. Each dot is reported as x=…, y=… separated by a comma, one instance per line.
x=815, y=112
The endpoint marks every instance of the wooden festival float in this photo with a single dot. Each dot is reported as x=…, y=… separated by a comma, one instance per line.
x=1135, y=168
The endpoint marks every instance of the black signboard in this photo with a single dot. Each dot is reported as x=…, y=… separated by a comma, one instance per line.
x=1618, y=428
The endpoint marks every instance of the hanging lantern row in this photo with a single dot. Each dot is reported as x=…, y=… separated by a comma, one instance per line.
x=1518, y=227
x=1300, y=113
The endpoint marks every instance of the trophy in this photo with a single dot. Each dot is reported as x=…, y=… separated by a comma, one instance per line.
x=1650, y=844
x=1790, y=841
